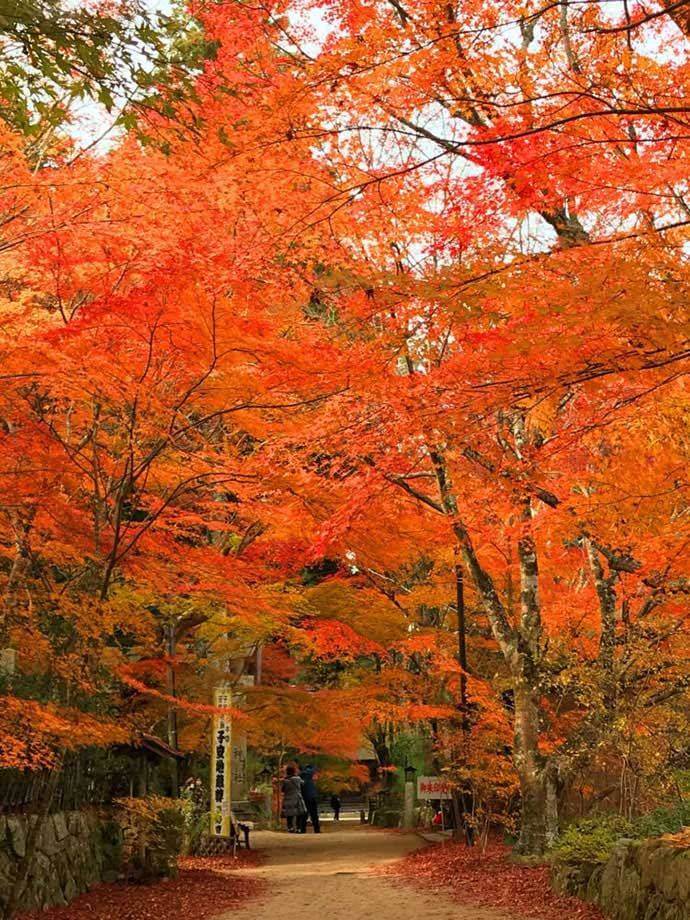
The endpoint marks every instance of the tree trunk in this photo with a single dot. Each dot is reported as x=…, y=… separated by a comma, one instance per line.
x=520, y=646
x=533, y=836
x=553, y=788
x=379, y=741
x=18, y=573
x=606, y=592
x=463, y=799
x=172, y=710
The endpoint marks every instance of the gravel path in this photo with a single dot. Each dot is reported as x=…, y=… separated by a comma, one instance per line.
x=328, y=877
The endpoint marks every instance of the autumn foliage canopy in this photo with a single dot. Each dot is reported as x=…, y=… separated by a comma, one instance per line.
x=384, y=320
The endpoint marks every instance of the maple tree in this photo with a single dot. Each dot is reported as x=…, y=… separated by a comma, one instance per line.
x=131, y=498
x=407, y=310
x=515, y=238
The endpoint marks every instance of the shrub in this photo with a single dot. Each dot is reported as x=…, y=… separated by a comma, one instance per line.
x=153, y=835
x=664, y=820
x=111, y=845
x=196, y=824
x=592, y=840
x=387, y=817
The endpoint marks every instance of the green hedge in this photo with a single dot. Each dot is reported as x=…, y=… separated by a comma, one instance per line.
x=664, y=820
x=593, y=839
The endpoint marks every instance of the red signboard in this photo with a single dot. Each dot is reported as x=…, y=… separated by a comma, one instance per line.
x=433, y=787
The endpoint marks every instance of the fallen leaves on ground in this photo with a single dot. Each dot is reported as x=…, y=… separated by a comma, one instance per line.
x=490, y=879
x=204, y=887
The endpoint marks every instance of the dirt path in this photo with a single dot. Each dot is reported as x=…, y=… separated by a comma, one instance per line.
x=328, y=877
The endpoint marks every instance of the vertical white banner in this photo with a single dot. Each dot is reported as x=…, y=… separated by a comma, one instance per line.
x=221, y=764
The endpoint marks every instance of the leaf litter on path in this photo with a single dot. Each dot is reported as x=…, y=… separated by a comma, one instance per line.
x=204, y=888
x=490, y=879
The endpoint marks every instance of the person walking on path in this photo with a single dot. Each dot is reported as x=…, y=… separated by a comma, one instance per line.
x=311, y=799
x=294, y=809
x=335, y=805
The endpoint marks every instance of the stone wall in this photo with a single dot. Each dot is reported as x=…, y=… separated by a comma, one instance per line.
x=73, y=851
x=642, y=880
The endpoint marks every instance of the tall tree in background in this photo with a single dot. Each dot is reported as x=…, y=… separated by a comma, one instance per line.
x=127, y=58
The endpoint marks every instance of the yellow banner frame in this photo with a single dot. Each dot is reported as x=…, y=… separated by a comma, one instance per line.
x=221, y=764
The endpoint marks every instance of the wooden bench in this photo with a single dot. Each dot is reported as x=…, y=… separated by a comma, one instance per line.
x=240, y=830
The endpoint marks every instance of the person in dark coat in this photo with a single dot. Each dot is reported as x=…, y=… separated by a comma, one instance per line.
x=294, y=809
x=311, y=799
x=335, y=805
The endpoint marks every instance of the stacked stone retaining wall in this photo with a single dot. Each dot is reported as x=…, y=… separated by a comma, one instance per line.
x=642, y=880
x=72, y=852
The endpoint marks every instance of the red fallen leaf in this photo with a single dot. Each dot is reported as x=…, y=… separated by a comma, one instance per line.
x=205, y=887
x=489, y=879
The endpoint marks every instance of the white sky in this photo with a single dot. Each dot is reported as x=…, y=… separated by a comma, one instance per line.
x=93, y=127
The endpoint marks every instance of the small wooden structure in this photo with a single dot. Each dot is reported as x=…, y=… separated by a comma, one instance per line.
x=149, y=751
